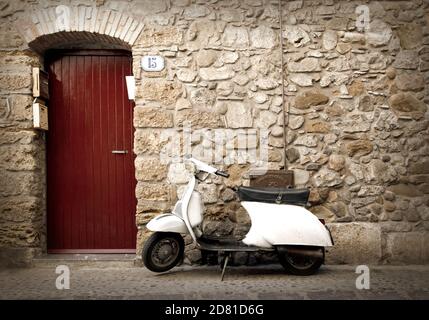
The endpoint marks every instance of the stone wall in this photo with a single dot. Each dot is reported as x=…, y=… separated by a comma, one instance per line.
x=357, y=127
x=22, y=155
x=357, y=131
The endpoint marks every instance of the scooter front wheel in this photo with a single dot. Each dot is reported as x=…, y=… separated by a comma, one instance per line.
x=163, y=251
x=298, y=264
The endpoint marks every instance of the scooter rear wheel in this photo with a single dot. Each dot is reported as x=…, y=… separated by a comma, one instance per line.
x=163, y=251
x=299, y=265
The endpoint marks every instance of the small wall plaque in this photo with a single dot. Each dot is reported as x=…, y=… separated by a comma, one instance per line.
x=40, y=116
x=40, y=84
x=152, y=63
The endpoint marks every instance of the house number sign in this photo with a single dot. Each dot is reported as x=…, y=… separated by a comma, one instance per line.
x=152, y=63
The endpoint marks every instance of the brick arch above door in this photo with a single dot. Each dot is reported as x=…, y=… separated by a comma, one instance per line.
x=52, y=27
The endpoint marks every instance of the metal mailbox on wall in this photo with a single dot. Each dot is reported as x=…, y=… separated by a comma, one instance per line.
x=40, y=93
x=40, y=116
x=40, y=84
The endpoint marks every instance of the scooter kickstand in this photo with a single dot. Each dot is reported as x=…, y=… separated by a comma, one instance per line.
x=224, y=266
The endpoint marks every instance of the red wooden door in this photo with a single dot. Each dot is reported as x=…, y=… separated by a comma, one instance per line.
x=91, y=191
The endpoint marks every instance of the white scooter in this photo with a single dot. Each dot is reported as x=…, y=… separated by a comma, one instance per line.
x=280, y=223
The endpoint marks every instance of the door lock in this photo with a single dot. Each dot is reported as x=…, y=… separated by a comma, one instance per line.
x=119, y=151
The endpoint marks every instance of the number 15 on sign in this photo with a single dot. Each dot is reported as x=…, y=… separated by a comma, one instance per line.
x=152, y=63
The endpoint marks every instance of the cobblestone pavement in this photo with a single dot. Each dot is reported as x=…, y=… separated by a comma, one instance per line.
x=185, y=282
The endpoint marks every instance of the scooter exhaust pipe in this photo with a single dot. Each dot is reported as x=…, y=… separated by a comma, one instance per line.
x=311, y=253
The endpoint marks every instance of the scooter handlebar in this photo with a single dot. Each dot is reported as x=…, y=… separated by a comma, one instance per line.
x=222, y=174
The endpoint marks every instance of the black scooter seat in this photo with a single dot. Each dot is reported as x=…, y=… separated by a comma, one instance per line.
x=274, y=195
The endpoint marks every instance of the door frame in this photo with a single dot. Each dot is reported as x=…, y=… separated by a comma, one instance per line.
x=48, y=57
x=85, y=52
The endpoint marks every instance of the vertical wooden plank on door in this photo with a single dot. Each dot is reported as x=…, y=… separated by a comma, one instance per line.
x=82, y=157
x=126, y=147
x=104, y=151
x=89, y=152
x=111, y=111
x=72, y=214
x=115, y=144
x=79, y=142
x=63, y=134
x=71, y=167
x=120, y=144
x=96, y=149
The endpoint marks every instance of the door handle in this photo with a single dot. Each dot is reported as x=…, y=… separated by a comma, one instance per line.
x=119, y=151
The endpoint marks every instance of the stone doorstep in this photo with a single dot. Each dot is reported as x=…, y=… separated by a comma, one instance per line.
x=86, y=260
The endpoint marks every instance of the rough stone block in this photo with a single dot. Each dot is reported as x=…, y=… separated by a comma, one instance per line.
x=29, y=183
x=148, y=117
x=196, y=11
x=327, y=178
x=205, y=58
x=208, y=192
x=148, y=141
x=154, y=191
x=17, y=157
x=10, y=38
x=186, y=75
x=22, y=137
x=355, y=243
x=15, y=82
x=359, y=147
x=310, y=98
x=165, y=36
x=407, y=59
x=16, y=108
x=406, y=247
x=203, y=97
x=222, y=73
x=405, y=190
x=407, y=104
x=198, y=119
x=151, y=206
x=239, y=115
x=18, y=62
x=235, y=37
x=160, y=90
x=21, y=222
x=410, y=35
x=177, y=173
x=150, y=169
x=305, y=65
x=263, y=37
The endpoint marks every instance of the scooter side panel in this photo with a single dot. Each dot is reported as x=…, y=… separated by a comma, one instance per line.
x=253, y=238
x=167, y=223
x=283, y=224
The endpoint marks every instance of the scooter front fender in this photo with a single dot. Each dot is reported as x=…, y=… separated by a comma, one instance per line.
x=167, y=222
